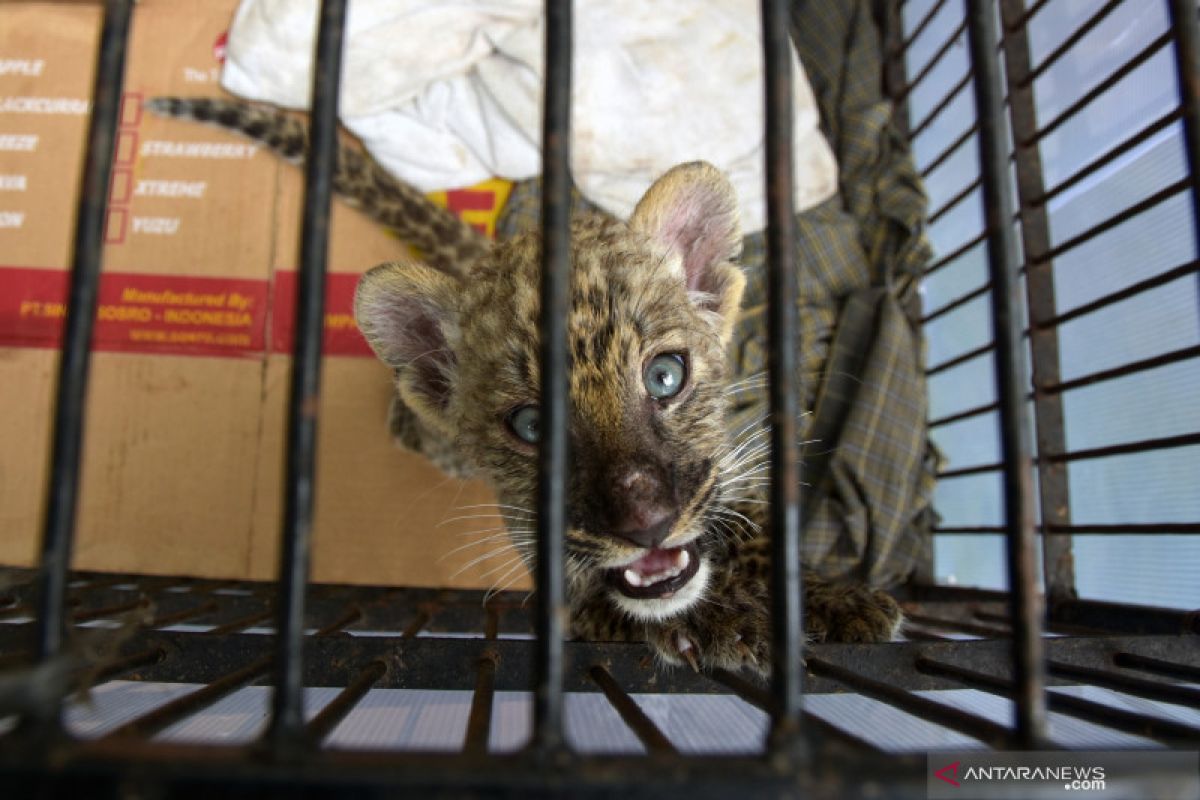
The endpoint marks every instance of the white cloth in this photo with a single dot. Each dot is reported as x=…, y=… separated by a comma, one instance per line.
x=447, y=94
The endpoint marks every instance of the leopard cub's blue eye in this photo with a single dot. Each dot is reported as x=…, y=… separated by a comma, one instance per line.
x=665, y=375
x=524, y=423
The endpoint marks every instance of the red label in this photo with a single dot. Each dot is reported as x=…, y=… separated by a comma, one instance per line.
x=342, y=337
x=174, y=314
x=167, y=314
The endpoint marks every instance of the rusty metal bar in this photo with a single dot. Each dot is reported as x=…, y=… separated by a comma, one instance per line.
x=89, y=614
x=350, y=616
x=954, y=254
x=1029, y=76
x=961, y=626
x=1143, y=446
x=760, y=698
x=918, y=29
x=962, y=358
x=166, y=620
x=1153, y=282
x=1025, y=599
x=336, y=709
x=961, y=195
x=1158, y=666
x=1107, y=157
x=479, y=721
x=787, y=628
x=1173, y=733
x=655, y=741
x=233, y=626
x=941, y=106
x=986, y=731
x=1086, y=99
x=961, y=415
x=553, y=448
x=154, y=721
x=949, y=149
x=287, y=702
x=1130, y=368
x=62, y=494
x=1173, y=528
x=938, y=55
x=1151, y=690
x=1162, y=195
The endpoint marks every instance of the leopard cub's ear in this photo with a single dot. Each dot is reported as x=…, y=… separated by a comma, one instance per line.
x=692, y=212
x=407, y=311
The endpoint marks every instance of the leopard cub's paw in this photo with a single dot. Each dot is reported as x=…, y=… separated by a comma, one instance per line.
x=730, y=647
x=851, y=612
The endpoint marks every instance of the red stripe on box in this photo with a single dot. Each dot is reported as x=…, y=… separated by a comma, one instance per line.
x=162, y=314
x=342, y=337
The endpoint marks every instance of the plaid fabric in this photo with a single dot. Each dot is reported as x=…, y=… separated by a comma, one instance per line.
x=867, y=459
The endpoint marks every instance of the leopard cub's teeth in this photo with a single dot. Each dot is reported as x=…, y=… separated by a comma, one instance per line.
x=633, y=578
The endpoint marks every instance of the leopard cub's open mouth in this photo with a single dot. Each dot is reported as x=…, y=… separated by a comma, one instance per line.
x=658, y=574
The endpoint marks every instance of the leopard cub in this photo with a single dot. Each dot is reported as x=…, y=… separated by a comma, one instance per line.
x=664, y=541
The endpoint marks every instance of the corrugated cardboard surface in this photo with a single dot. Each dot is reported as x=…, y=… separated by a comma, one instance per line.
x=184, y=446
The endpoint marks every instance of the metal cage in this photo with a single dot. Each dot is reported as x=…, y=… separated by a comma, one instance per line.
x=1021, y=644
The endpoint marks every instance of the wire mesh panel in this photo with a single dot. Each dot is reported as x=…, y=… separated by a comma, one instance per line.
x=1063, y=214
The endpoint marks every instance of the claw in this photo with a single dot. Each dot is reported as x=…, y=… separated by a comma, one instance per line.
x=687, y=650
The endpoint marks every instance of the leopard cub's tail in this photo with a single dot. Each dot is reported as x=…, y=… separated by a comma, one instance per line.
x=448, y=243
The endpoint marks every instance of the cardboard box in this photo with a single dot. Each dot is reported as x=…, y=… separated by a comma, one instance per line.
x=186, y=410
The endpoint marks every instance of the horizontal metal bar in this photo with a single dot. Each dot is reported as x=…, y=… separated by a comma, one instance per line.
x=1151, y=690
x=962, y=358
x=169, y=713
x=1114, y=77
x=1131, y=368
x=1107, y=157
x=89, y=614
x=960, y=625
x=1084, y=529
x=241, y=623
x=962, y=249
x=972, y=725
x=1163, y=278
x=1143, y=446
x=184, y=614
x=760, y=698
x=979, y=469
x=1054, y=55
x=1126, y=617
x=919, y=28
x=949, y=150
x=938, y=55
x=1169, y=732
x=1135, y=528
x=941, y=106
x=350, y=616
x=145, y=658
x=336, y=709
x=648, y=733
x=962, y=415
x=1162, y=195
x=962, y=194
x=1158, y=666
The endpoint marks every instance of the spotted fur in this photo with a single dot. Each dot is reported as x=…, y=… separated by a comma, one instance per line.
x=462, y=340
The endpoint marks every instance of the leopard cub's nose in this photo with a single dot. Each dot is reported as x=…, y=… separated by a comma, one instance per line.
x=642, y=514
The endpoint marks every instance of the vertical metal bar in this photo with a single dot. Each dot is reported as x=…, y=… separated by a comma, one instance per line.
x=287, y=720
x=786, y=590
x=1186, y=29
x=58, y=530
x=1026, y=602
x=1039, y=293
x=550, y=622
